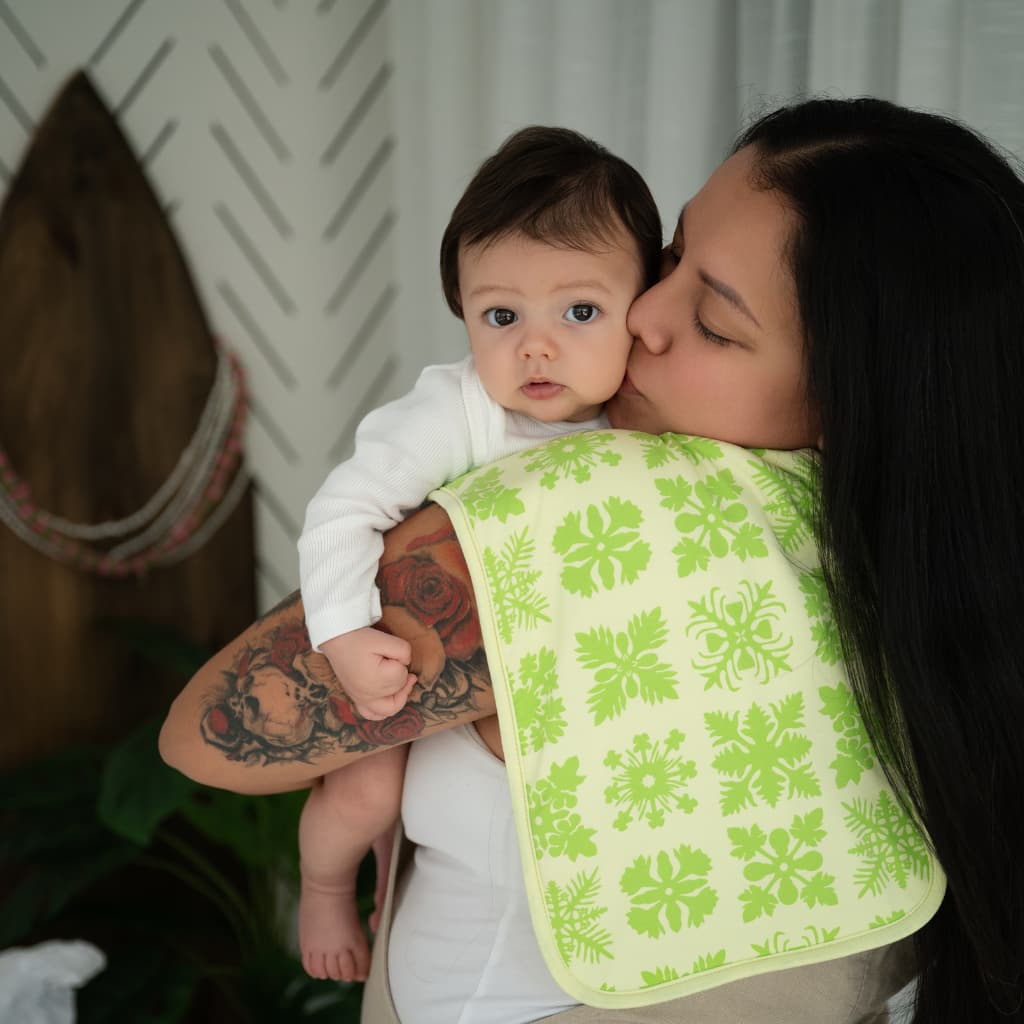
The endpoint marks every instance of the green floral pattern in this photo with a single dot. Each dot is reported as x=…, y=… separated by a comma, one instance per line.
x=780, y=942
x=485, y=496
x=595, y=545
x=765, y=757
x=659, y=451
x=712, y=521
x=669, y=890
x=649, y=780
x=740, y=635
x=891, y=849
x=854, y=753
x=823, y=625
x=575, y=917
x=625, y=666
x=786, y=863
x=540, y=712
x=571, y=457
x=558, y=829
x=656, y=586
x=660, y=975
x=518, y=604
x=789, y=499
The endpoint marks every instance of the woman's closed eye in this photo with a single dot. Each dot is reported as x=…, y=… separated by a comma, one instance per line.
x=707, y=334
x=498, y=316
x=581, y=313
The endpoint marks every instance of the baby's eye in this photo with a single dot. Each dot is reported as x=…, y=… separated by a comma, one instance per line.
x=499, y=317
x=581, y=313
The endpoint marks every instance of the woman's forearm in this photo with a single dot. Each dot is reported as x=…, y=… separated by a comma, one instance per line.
x=266, y=713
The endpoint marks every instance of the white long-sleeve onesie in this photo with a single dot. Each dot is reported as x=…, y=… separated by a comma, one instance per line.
x=444, y=426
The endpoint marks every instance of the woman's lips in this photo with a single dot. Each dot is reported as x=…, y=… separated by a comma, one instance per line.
x=542, y=389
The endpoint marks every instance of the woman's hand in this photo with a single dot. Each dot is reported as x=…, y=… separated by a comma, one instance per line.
x=266, y=713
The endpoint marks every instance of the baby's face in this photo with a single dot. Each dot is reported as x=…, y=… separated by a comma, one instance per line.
x=547, y=326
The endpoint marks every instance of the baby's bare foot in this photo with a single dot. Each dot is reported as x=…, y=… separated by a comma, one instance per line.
x=331, y=935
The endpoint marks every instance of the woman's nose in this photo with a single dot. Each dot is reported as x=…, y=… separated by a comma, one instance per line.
x=647, y=322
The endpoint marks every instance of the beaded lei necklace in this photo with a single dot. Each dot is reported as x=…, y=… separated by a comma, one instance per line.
x=190, y=506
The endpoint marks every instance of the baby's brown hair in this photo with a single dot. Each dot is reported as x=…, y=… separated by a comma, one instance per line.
x=555, y=186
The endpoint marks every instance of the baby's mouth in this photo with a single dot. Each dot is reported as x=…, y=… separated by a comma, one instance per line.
x=541, y=389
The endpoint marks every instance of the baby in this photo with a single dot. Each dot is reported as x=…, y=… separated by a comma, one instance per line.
x=544, y=253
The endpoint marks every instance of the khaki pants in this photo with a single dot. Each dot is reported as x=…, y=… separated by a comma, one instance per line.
x=850, y=990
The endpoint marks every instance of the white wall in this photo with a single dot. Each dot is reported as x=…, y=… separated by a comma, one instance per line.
x=266, y=129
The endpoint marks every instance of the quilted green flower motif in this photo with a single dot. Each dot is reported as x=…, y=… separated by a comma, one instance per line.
x=739, y=635
x=557, y=830
x=625, y=666
x=662, y=975
x=880, y=920
x=711, y=520
x=661, y=888
x=766, y=756
x=607, y=542
x=854, y=753
x=824, y=631
x=786, y=863
x=574, y=915
x=540, y=715
x=891, y=848
x=660, y=450
x=518, y=604
x=780, y=942
x=789, y=499
x=649, y=780
x=486, y=496
x=571, y=457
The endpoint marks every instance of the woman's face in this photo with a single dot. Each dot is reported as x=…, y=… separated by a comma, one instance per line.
x=719, y=349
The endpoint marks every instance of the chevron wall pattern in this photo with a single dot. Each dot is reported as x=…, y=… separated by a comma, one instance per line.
x=266, y=129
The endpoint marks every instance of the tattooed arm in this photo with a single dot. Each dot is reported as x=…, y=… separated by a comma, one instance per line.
x=266, y=713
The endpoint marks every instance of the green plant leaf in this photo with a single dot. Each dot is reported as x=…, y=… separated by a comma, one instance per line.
x=162, y=646
x=67, y=777
x=50, y=885
x=137, y=790
x=276, y=990
x=139, y=984
x=260, y=831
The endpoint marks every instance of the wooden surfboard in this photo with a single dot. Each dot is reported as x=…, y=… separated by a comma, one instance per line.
x=106, y=363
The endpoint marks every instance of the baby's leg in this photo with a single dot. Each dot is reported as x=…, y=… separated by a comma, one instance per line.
x=343, y=815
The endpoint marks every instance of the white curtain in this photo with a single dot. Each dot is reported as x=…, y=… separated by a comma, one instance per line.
x=664, y=83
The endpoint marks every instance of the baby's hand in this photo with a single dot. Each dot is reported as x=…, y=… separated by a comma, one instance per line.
x=373, y=668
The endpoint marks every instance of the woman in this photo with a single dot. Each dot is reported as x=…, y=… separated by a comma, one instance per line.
x=853, y=277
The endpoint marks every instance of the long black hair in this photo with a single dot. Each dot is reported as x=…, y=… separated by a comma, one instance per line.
x=908, y=260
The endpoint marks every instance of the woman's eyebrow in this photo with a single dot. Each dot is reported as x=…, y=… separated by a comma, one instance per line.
x=727, y=292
